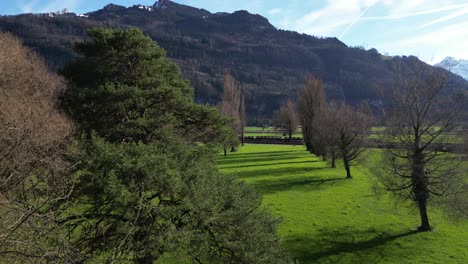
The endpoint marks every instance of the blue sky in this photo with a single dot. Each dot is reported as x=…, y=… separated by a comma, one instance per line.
x=429, y=29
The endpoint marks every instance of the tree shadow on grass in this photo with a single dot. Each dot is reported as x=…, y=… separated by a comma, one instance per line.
x=267, y=164
x=304, y=184
x=334, y=246
x=239, y=162
x=266, y=153
x=276, y=172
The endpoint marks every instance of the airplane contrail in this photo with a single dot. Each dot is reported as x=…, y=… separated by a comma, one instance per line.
x=354, y=22
x=419, y=13
x=453, y=15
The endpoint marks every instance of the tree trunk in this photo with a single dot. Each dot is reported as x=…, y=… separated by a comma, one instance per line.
x=348, y=169
x=233, y=149
x=225, y=151
x=242, y=116
x=290, y=130
x=419, y=185
x=307, y=140
x=333, y=156
x=324, y=157
x=425, y=226
x=348, y=172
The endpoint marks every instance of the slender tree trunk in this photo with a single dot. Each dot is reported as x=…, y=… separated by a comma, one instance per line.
x=419, y=185
x=425, y=226
x=333, y=156
x=242, y=117
x=324, y=157
x=290, y=130
x=307, y=140
x=225, y=151
x=233, y=149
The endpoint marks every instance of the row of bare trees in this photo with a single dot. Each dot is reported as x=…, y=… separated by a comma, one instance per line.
x=328, y=129
x=419, y=117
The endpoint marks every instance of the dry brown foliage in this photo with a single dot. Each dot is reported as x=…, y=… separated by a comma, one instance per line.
x=286, y=119
x=230, y=104
x=311, y=100
x=33, y=135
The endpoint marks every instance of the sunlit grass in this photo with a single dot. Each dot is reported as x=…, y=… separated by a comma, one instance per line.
x=328, y=219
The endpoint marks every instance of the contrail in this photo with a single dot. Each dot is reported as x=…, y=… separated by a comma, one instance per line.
x=354, y=22
x=420, y=13
x=446, y=18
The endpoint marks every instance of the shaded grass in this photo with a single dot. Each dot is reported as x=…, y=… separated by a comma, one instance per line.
x=266, y=129
x=271, y=134
x=328, y=219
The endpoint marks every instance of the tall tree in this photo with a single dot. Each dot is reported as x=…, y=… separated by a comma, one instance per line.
x=351, y=131
x=243, y=120
x=311, y=99
x=146, y=186
x=232, y=104
x=325, y=136
x=419, y=119
x=286, y=118
x=33, y=139
x=123, y=88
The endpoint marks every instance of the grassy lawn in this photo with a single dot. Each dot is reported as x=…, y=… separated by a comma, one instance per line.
x=327, y=219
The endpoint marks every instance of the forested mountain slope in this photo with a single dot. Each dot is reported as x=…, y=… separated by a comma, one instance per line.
x=271, y=64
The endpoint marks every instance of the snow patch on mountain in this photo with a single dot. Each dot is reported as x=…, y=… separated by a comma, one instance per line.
x=459, y=67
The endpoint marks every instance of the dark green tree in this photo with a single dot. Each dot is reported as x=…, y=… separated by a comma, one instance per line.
x=145, y=186
x=123, y=87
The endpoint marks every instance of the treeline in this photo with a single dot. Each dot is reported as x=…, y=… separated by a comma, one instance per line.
x=118, y=165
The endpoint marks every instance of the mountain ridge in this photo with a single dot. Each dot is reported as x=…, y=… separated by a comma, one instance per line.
x=270, y=63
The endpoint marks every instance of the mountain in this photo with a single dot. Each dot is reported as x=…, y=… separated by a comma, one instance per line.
x=459, y=67
x=271, y=64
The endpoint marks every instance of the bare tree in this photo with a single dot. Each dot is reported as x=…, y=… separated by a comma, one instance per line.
x=33, y=134
x=242, y=118
x=349, y=131
x=231, y=104
x=311, y=99
x=325, y=136
x=286, y=118
x=418, y=119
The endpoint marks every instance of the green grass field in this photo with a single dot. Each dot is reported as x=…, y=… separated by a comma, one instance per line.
x=328, y=219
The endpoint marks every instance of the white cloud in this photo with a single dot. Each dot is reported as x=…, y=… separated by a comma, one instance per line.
x=397, y=12
x=337, y=16
x=448, y=17
x=440, y=43
x=274, y=11
x=27, y=7
x=48, y=6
